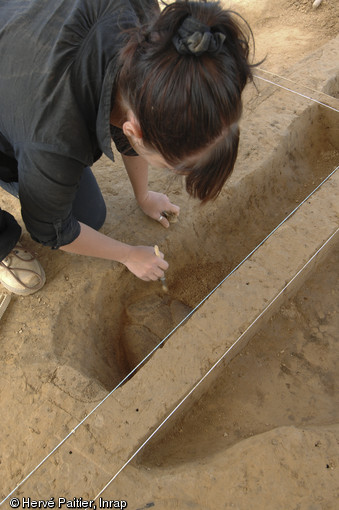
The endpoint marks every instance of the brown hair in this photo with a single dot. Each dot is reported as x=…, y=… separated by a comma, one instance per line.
x=188, y=102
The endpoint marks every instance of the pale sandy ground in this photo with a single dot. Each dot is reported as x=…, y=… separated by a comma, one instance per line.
x=266, y=434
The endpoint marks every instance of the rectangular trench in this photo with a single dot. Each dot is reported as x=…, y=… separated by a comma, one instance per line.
x=137, y=409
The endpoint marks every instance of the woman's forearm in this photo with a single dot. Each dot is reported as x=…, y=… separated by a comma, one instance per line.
x=137, y=170
x=92, y=243
x=142, y=261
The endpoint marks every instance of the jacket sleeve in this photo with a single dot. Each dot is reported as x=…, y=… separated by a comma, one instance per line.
x=48, y=183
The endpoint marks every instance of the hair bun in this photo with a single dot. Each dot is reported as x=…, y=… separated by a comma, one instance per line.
x=196, y=38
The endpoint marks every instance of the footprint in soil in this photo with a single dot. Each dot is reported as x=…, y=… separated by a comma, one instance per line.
x=147, y=322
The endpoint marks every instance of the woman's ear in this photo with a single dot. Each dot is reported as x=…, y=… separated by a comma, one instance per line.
x=131, y=127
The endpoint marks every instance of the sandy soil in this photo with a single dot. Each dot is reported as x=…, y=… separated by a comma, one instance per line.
x=65, y=347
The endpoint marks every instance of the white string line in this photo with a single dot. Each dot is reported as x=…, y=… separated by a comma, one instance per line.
x=297, y=93
x=163, y=341
x=215, y=364
x=295, y=83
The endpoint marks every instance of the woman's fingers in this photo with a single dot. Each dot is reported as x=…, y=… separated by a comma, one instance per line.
x=145, y=264
x=159, y=207
x=163, y=221
x=170, y=215
x=172, y=211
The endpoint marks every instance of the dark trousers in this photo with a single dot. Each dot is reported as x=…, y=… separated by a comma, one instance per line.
x=88, y=207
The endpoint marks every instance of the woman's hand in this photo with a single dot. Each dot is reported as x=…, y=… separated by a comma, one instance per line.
x=154, y=204
x=143, y=263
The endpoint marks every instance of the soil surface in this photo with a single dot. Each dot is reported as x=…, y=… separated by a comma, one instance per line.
x=268, y=429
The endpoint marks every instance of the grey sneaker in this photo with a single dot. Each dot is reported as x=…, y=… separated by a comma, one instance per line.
x=21, y=273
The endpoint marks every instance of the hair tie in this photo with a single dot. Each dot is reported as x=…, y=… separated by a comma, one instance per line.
x=196, y=38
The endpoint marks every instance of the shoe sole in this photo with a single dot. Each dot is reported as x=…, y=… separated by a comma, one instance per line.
x=4, y=302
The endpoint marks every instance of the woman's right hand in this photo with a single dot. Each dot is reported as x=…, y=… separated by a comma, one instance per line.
x=145, y=264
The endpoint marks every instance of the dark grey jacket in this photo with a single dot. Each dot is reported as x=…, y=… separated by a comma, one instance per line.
x=58, y=61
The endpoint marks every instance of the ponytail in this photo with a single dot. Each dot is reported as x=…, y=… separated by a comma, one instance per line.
x=206, y=177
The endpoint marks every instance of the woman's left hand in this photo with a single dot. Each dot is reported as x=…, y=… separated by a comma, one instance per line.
x=154, y=204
